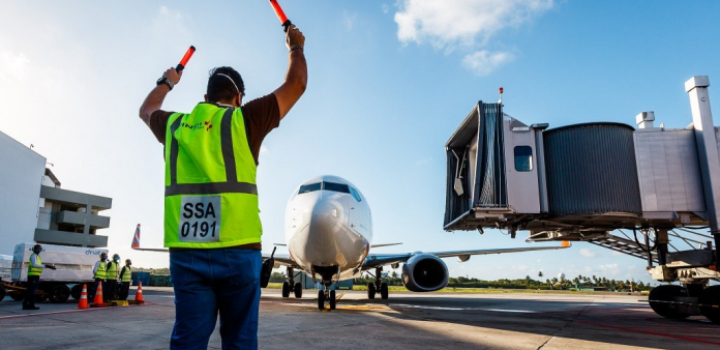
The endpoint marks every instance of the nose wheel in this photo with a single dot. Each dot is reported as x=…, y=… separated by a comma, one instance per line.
x=328, y=295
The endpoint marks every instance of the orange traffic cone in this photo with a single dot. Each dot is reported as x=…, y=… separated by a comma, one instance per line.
x=98, y=295
x=83, y=304
x=138, y=295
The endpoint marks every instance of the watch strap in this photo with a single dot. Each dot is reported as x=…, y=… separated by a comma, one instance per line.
x=166, y=81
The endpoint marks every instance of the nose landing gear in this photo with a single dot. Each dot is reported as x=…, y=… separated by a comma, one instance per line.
x=328, y=295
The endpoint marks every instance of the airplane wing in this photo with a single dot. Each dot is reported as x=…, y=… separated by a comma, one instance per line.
x=377, y=260
x=281, y=259
x=384, y=245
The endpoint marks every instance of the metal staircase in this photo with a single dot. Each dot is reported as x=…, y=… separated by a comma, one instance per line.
x=623, y=245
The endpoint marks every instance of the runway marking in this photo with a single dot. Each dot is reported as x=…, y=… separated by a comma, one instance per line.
x=68, y=312
x=448, y=308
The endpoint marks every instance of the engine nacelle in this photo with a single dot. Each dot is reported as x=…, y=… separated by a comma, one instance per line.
x=425, y=273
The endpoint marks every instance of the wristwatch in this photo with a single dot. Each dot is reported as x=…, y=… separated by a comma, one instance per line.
x=165, y=80
x=296, y=47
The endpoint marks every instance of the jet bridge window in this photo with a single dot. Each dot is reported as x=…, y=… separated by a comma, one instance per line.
x=310, y=188
x=523, y=158
x=336, y=187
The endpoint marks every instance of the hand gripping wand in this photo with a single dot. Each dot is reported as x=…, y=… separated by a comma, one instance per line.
x=185, y=59
x=281, y=15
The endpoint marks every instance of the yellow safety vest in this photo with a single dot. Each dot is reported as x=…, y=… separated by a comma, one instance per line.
x=101, y=271
x=112, y=271
x=127, y=274
x=35, y=271
x=211, y=196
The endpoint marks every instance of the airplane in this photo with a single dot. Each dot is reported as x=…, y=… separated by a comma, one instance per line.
x=328, y=234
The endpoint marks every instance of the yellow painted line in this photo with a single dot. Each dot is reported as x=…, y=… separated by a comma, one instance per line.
x=339, y=296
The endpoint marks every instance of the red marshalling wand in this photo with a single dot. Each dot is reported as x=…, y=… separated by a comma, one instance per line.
x=281, y=15
x=185, y=59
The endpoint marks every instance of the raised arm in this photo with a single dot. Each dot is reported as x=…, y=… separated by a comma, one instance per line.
x=296, y=79
x=155, y=98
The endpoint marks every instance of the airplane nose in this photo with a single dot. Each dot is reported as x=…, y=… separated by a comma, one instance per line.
x=316, y=242
x=325, y=220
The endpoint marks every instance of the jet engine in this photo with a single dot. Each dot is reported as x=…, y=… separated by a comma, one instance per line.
x=425, y=273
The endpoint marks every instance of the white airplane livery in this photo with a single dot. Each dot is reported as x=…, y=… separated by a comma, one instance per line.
x=328, y=234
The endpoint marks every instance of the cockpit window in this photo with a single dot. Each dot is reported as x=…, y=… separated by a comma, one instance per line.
x=309, y=188
x=336, y=187
x=355, y=194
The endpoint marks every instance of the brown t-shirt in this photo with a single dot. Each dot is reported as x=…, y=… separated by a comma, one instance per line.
x=261, y=115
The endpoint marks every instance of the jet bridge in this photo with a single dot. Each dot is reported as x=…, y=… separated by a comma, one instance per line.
x=649, y=192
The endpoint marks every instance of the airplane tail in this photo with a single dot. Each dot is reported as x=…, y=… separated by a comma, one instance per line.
x=136, y=239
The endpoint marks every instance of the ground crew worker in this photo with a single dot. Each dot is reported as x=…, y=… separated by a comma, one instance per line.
x=99, y=273
x=125, y=279
x=111, y=278
x=212, y=222
x=35, y=267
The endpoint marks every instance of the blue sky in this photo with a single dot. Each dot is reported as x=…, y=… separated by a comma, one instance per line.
x=388, y=84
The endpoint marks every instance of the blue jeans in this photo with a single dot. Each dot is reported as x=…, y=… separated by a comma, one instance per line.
x=208, y=281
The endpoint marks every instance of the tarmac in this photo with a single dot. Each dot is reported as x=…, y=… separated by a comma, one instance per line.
x=405, y=321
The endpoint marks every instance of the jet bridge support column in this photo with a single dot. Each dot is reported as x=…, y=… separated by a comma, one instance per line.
x=697, y=88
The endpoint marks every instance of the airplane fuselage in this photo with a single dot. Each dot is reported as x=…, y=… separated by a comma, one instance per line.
x=328, y=227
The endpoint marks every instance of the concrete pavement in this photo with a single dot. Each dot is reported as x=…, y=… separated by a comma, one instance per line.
x=406, y=321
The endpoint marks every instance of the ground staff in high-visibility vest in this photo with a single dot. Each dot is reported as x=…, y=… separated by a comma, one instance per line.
x=110, y=288
x=99, y=273
x=35, y=268
x=212, y=222
x=125, y=279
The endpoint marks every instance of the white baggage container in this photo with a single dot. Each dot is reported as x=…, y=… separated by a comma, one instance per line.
x=74, y=264
x=5, y=267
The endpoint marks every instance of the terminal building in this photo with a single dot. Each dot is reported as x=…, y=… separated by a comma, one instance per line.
x=34, y=207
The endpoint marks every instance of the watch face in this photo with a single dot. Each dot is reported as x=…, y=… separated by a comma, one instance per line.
x=160, y=81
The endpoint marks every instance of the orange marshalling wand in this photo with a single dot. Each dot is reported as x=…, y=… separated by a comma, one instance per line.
x=281, y=14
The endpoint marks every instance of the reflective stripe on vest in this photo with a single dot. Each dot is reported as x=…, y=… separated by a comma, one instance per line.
x=112, y=271
x=127, y=274
x=100, y=273
x=35, y=271
x=210, y=175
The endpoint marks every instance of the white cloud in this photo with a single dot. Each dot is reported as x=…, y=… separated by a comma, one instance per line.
x=13, y=65
x=587, y=253
x=449, y=23
x=349, y=20
x=485, y=62
x=264, y=150
x=385, y=8
x=468, y=25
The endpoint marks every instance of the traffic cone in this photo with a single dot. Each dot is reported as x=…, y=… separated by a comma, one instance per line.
x=83, y=304
x=138, y=295
x=99, y=295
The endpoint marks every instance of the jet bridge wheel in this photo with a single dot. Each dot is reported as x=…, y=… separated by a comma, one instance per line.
x=371, y=291
x=384, y=293
x=285, y=290
x=332, y=300
x=298, y=290
x=709, y=301
x=321, y=299
x=661, y=298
